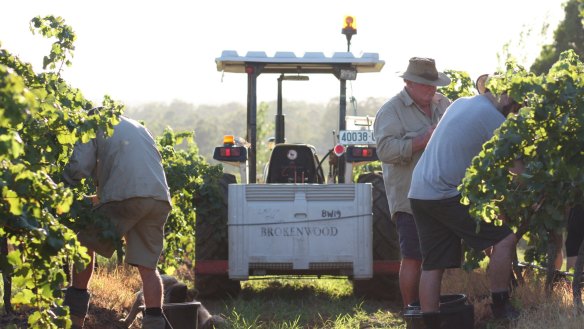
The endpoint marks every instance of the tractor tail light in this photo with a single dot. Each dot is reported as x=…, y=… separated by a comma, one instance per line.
x=230, y=153
x=361, y=153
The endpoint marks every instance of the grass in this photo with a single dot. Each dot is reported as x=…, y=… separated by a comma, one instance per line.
x=328, y=303
x=308, y=303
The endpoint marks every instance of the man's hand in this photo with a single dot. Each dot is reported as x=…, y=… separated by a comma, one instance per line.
x=420, y=141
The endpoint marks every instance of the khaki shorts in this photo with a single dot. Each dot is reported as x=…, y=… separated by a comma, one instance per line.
x=141, y=222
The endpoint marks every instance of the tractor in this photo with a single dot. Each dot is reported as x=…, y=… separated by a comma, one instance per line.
x=297, y=222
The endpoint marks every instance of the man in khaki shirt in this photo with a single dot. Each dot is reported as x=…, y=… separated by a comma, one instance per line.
x=133, y=194
x=402, y=128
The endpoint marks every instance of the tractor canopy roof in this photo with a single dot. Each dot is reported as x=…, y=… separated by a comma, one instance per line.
x=288, y=62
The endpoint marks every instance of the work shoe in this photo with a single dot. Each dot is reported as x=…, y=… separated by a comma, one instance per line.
x=505, y=311
x=78, y=302
x=153, y=322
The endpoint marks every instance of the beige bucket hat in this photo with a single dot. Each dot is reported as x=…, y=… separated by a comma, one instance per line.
x=423, y=70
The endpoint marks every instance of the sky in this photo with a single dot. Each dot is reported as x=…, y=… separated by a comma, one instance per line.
x=163, y=51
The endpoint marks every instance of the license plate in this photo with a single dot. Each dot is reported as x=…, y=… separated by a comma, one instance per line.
x=356, y=137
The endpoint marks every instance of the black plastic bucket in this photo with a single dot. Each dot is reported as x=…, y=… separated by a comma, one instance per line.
x=182, y=315
x=455, y=313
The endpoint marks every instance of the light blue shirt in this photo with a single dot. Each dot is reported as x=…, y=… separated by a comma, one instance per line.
x=466, y=125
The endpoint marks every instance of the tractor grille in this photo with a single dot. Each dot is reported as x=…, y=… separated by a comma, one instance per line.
x=270, y=266
x=331, y=266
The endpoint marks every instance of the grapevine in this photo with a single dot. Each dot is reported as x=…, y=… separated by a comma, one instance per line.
x=547, y=137
x=41, y=119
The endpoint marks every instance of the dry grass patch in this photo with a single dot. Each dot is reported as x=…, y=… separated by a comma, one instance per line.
x=113, y=290
x=539, y=310
x=543, y=310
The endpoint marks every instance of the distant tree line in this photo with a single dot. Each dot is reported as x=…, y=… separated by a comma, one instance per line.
x=568, y=35
x=311, y=123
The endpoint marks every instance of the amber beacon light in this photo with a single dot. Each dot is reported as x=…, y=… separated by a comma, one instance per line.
x=349, y=28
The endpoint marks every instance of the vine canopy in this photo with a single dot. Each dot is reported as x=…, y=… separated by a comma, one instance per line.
x=546, y=136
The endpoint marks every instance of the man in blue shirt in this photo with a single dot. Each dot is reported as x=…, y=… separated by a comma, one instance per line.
x=441, y=219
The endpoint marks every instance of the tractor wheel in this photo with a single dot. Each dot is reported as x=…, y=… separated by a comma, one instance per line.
x=385, y=245
x=211, y=243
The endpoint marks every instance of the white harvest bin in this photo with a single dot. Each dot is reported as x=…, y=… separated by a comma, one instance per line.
x=294, y=227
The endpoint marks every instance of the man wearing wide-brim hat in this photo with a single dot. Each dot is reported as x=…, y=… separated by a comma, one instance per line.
x=423, y=71
x=402, y=127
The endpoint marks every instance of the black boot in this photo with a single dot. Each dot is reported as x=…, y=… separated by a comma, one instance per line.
x=78, y=302
x=153, y=322
x=153, y=319
x=502, y=307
